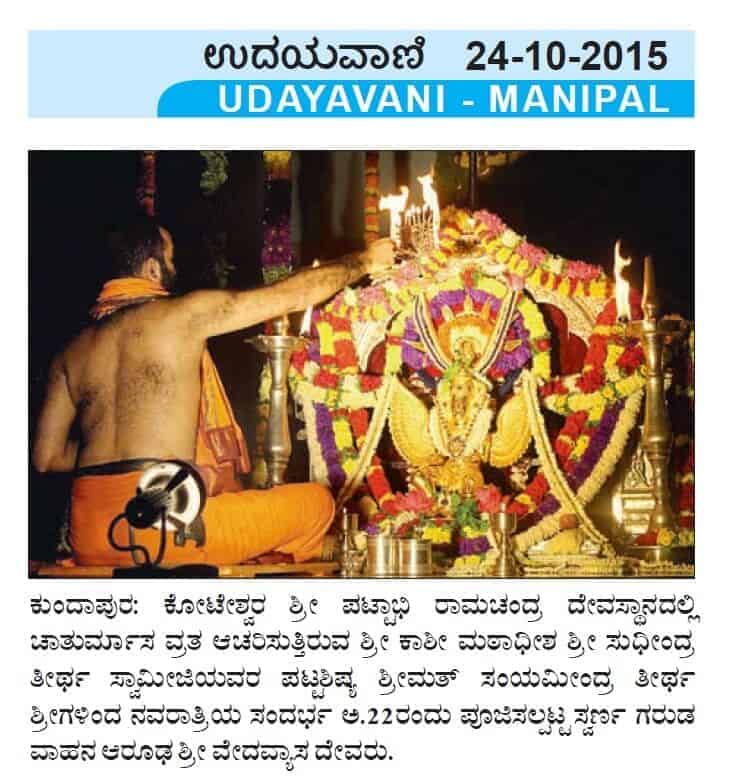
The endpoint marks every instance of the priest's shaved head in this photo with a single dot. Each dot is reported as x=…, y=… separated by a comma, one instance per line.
x=139, y=386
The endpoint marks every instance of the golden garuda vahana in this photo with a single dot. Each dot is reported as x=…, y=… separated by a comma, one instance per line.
x=446, y=444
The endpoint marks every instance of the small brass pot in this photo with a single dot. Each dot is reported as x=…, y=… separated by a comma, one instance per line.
x=382, y=556
x=414, y=558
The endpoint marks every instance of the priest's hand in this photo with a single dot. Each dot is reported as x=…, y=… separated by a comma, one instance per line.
x=379, y=257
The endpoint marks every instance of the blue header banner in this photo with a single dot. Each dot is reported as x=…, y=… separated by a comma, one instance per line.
x=595, y=73
x=428, y=99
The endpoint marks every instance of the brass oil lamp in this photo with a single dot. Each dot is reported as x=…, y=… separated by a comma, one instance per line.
x=278, y=347
x=653, y=333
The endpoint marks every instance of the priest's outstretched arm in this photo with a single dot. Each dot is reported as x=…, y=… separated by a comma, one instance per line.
x=208, y=313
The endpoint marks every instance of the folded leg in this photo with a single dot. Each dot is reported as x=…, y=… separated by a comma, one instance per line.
x=291, y=519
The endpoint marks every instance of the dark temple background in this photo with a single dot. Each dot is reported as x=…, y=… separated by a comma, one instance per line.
x=575, y=203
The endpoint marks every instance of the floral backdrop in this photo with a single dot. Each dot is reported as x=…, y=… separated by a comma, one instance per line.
x=364, y=339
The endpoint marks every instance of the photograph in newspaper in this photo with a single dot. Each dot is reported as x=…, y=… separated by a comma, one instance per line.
x=361, y=363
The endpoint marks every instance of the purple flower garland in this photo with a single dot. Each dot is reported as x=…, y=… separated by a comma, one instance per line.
x=412, y=356
x=582, y=470
x=475, y=545
x=507, y=362
x=548, y=506
x=597, y=444
x=277, y=251
x=329, y=450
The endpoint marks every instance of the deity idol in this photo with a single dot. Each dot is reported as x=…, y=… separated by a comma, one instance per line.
x=447, y=445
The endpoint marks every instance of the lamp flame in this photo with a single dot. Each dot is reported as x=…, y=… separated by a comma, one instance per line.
x=395, y=203
x=430, y=197
x=621, y=286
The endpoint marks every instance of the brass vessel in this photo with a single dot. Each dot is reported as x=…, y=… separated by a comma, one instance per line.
x=278, y=347
x=351, y=560
x=503, y=525
x=382, y=556
x=414, y=558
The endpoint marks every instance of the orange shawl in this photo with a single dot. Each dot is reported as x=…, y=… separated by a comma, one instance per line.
x=221, y=452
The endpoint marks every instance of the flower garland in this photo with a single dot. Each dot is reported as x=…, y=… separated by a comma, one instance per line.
x=682, y=410
x=326, y=434
x=599, y=404
x=587, y=431
x=146, y=188
x=527, y=340
x=333, y=369
x=613, y=370
x=327, y=371
x=440, y=521
x=277, y=252
x=529, y=264
x=342, y=441
x=591, y=401
x=366, y=437
x=560, y=497
x=371, y=196
x=276, y=256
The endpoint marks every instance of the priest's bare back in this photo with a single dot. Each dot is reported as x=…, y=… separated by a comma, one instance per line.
x=128, y=386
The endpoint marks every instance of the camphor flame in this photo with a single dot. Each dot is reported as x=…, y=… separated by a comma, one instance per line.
x=430, y=197
x=308, y=313
x=621, y=286
x=395, y=203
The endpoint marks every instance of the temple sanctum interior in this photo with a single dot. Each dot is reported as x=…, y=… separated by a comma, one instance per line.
x=511, y=397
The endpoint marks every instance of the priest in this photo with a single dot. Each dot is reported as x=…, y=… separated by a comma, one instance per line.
x=138, y=386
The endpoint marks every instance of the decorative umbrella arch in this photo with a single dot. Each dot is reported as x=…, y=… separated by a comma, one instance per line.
x=346, y=394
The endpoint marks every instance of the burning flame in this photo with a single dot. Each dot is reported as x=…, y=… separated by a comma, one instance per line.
x=621, y=286
x=396, y=204
x=308, y=313
x=430, y=197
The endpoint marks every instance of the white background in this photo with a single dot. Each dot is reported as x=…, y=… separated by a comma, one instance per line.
x=700, y=754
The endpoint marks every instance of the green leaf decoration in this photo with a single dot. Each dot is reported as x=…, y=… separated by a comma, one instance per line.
x=215, y=171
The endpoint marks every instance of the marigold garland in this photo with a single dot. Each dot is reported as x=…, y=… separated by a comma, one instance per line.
x=342, y=387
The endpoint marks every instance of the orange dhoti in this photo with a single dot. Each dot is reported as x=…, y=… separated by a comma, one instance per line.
x=291, y=519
